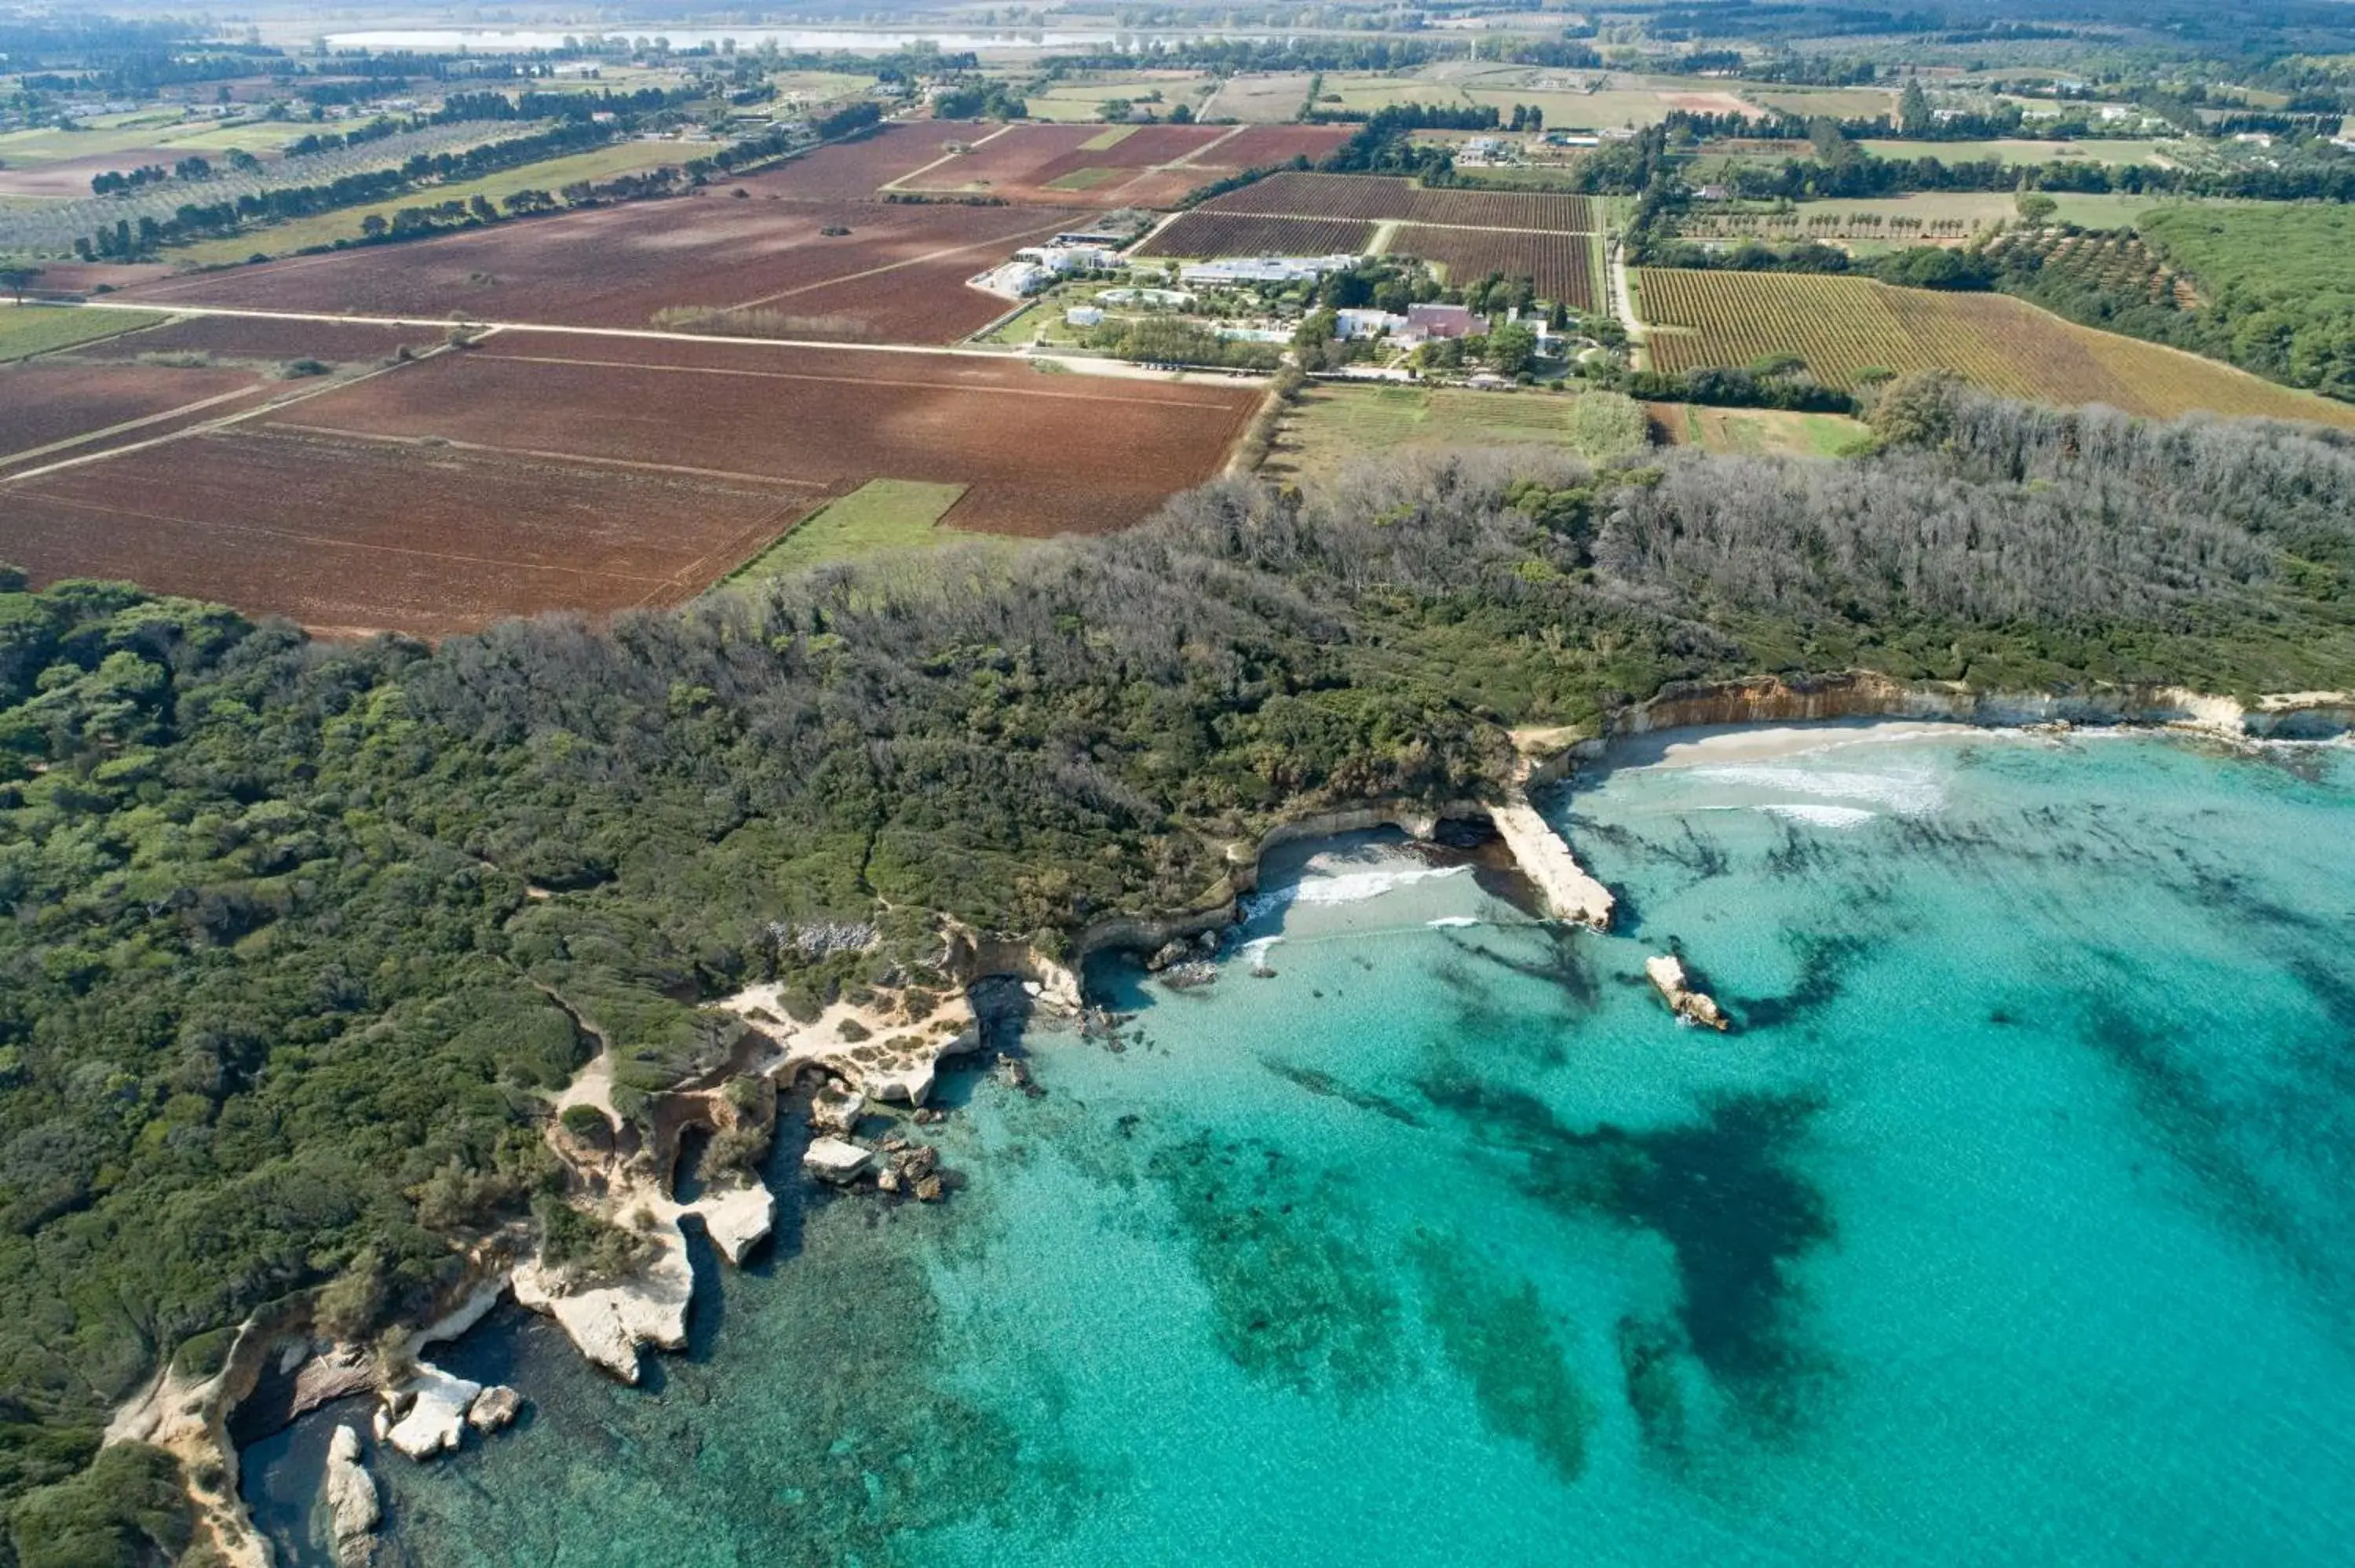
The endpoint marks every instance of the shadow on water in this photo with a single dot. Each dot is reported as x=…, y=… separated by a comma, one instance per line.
x=1725, y=1196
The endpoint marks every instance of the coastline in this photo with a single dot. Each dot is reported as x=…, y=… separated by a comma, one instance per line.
x=1686, y=725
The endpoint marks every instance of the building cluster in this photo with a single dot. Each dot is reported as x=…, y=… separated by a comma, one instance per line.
x=1266, y=270
x=1034, y=267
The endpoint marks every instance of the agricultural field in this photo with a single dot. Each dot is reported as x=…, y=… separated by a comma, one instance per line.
x=1758, y=432
x=53, y=408
x=1560, y=265
x=1379, y=198
x=547, y=469
x=1941, y=214
x=1202, y=234
x=1264, y=98
x=1843, y=327
x=354, y=537
x=1335, y=424
x=881, y=514
x=1082, y=100
x=2096, y=150
x=255, y=340
x=1108, y=166
x=553, y=174
x=1834, y=102
x=25, y=331
x=898, y=274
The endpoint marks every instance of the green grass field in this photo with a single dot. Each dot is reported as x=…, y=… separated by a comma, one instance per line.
x=2090, y=149
x=1332, y=425
x=326, y=228
x=28, y=330
x=1761, y=432
x=30, y=149
x=881, y=514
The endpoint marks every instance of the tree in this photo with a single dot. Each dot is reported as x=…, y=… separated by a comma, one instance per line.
x=1913, y=115
x=373, y=226
x=1115, y=111
x=15, y=279
x=2035, y=207
x=1512, y=349
x=1183, y=115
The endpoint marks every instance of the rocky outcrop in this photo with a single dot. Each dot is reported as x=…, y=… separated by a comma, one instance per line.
x=833, y=1159
x=494, y=1408
x=1571, y=893
x=737, y=1219
x=1667, y=974
x=350, y=1493
x=425, y=1415
x=608, y=1323
x=1865, y=694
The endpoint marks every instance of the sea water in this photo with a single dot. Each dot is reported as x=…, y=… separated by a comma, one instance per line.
x=2011, y=1222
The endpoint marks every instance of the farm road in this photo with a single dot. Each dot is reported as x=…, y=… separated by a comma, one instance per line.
x=1078, y=365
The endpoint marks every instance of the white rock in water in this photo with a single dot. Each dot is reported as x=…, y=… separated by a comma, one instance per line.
x=737, y=1219
x=436, y=1422
x=832, y=1160
x=1033, y=989
x=609, y=1322
x=352, y=1503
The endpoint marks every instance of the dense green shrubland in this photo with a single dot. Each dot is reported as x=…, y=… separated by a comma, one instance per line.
x=299, y=937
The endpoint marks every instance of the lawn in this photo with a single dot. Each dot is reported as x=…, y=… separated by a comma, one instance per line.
x=28, y=330
x=1069, y=103
x=29, y=149
x=1334, y=424
x=881, y=514
x=326, y=227
x=1760, y=432
x=2093, y=150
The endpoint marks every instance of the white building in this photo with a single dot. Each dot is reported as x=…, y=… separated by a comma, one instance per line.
x=1267, y=269
x=1354, y=324
x=1061, y=259
x=1014, y=281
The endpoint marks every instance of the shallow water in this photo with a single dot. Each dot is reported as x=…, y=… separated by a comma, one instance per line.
x=2011, y=1224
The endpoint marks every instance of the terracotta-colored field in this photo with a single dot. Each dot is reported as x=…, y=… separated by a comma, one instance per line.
x=1843, y=326
x=354, y=537
x=1096, y=165
x=263, y=339
x=51, y=401
x=1558, y=264
x=1258, y=146
x=899, y=275
x=1242, y=234
x=1043, y=454
x=848, y=171
x=549, y=470
x=1377, y=197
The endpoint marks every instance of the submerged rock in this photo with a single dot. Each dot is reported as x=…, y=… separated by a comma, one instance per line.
x=1667, y=973
x=495, y=1408
x=352, y=1505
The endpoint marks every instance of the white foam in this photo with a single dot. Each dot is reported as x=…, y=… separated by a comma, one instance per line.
x=1823, y=816
x=1913, y=792
x=1255, y=950
x=1345, y=887
x=1447, y=922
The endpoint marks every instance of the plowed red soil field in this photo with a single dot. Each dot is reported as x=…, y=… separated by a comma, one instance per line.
x=848, y=171
x=898, y=275
x=1295, y=195
x=548, y=471
x=262, y=340
x=356, y=536
x=1258, y=146
x=1241, y=234
x=1556, y=263
x=57, y=400
x=1042, y=454
x=1056, y=163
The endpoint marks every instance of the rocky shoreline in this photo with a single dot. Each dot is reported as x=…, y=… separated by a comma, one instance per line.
x=886, y=1052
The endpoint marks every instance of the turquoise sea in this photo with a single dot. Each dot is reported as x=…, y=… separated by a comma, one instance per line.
x=2014, y=1222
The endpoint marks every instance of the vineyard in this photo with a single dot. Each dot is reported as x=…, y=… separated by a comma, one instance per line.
x=1212, y=234
x=1844, y=327
x=1558, y=264
x=1381, y=199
